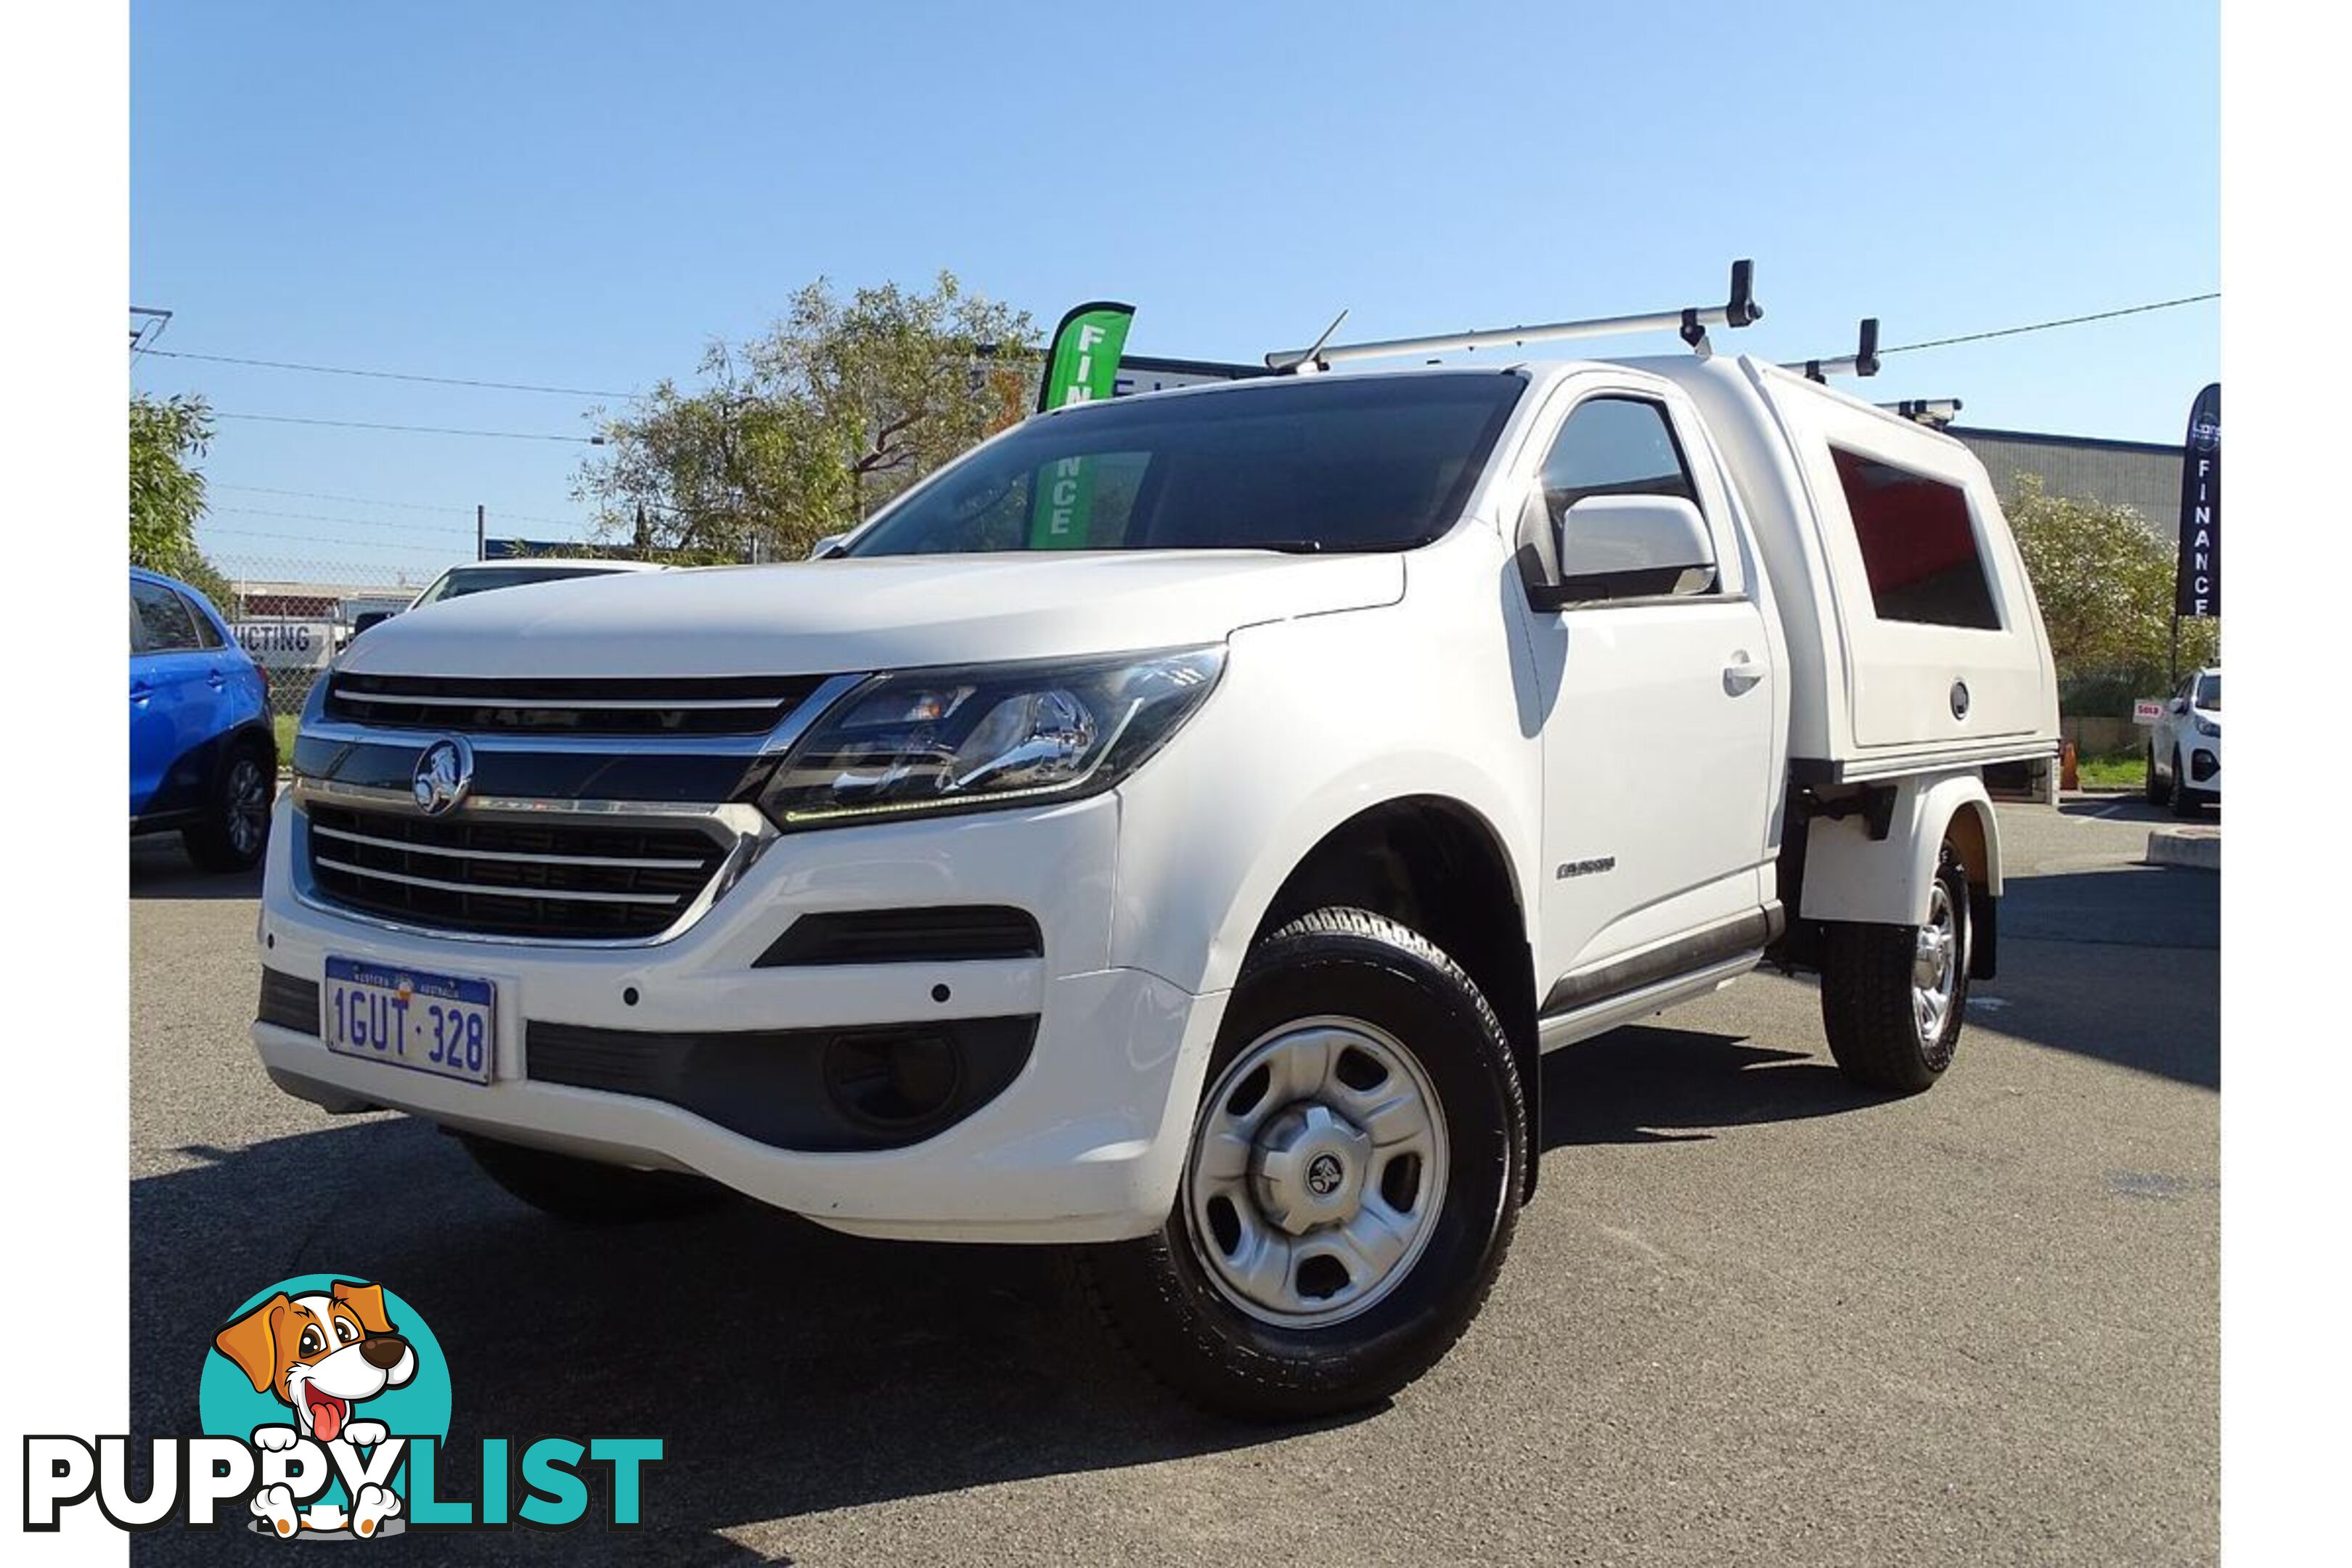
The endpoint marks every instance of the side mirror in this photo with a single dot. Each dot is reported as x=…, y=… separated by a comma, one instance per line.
x=1629, y=547
x=825, y=547
x=2181, y=705
x=372, y=618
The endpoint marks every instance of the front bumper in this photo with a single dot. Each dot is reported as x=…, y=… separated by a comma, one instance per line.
x=2203, y=761
x=1084, y=1143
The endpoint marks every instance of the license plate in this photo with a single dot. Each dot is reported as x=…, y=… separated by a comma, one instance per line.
x=440, y=1023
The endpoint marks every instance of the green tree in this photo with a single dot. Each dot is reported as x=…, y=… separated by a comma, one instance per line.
x=167, y=493
x=2105, y=584
x=800, y=432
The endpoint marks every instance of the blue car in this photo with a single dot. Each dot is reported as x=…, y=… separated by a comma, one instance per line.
x=204, y=759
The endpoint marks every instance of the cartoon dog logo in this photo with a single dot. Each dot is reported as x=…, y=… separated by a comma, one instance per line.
x=321, y=1355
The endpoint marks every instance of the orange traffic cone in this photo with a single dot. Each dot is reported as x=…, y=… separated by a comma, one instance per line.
x=2067, y=777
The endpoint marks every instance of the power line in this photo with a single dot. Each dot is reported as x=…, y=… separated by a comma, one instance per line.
x=366, y=522
x=2045, y=326
x=410, y=429
x=394, y=545
x=405, y=506
x=464, y=526
x=388, y=374
x=351, y=500
x=497, y=513
x=595, y=392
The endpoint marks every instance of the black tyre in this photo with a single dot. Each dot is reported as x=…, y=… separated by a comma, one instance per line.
x=1892, y=997
x=587, y=1193
x=2184, y=805
x=235, y=828
x=1351, y=1187
x=2156, y=793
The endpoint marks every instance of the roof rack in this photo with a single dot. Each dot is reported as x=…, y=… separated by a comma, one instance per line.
x=1864, y=360
x=1936, y=411
x=1691, y=321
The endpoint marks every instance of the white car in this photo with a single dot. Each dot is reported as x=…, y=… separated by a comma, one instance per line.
x=482, y=577
x=2184, y=747
x=1204, y=891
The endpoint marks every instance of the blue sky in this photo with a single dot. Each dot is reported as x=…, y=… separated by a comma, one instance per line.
x=583, y=196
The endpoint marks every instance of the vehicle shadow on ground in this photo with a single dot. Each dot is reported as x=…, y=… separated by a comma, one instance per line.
x=1648, y=1083
x=160, y=869
x=2121, y=963
x=790, y=1370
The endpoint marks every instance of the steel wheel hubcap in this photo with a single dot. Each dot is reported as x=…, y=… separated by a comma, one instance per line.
x=1316, y=1173
x=248, y=805
x=1934, y=966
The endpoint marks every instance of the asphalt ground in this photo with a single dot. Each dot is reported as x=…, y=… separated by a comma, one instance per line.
x=1754, y=1315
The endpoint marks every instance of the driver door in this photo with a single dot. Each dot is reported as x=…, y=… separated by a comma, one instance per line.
x=1659, y=742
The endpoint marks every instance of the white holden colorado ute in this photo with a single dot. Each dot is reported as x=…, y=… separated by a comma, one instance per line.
x=1179, y=827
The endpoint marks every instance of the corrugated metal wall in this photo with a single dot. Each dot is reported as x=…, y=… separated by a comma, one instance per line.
x=2140, y=475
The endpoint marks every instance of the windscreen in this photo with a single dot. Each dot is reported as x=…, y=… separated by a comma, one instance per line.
x=1306, y=464
x=457, y=584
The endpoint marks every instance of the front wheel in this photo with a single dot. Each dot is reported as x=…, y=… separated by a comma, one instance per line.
x=2156, y=793
x=1349, y=1188
x=2185, y=805
x=1892, y=997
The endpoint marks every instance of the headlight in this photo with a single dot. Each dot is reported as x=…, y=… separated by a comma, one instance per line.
x=931, y=741
x=2209, y=726
x=314, y=704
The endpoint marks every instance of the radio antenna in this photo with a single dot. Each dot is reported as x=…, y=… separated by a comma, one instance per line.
x=1310, y=360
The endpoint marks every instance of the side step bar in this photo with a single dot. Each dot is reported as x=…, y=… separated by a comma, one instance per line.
x=1588, y=1003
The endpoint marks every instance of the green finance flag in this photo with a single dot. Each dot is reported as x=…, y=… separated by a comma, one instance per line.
x=1081, y=366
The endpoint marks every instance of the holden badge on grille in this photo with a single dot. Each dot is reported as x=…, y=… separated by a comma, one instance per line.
x=444, y=771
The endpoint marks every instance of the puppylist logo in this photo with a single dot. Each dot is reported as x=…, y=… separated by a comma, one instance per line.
x=325, y=1408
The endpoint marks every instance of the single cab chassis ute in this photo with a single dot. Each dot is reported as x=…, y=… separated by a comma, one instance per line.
x=1179, y=827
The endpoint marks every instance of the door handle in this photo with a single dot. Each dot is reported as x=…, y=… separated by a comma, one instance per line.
x=1743, y=673
x=215, y=680
x=140, y=693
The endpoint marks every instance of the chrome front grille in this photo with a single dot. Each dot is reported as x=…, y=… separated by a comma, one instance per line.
x=561, y=877
x=540, y=706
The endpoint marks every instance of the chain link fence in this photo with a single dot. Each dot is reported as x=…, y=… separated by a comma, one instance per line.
x=293, y=615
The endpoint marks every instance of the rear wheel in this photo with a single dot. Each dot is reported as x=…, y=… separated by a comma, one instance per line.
x=1892, y=997
x=235, y=828
x=1349, y=1187
x=587, y=1193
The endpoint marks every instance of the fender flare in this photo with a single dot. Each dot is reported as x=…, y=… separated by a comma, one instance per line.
x=1849, y=876
x=1283, y=848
